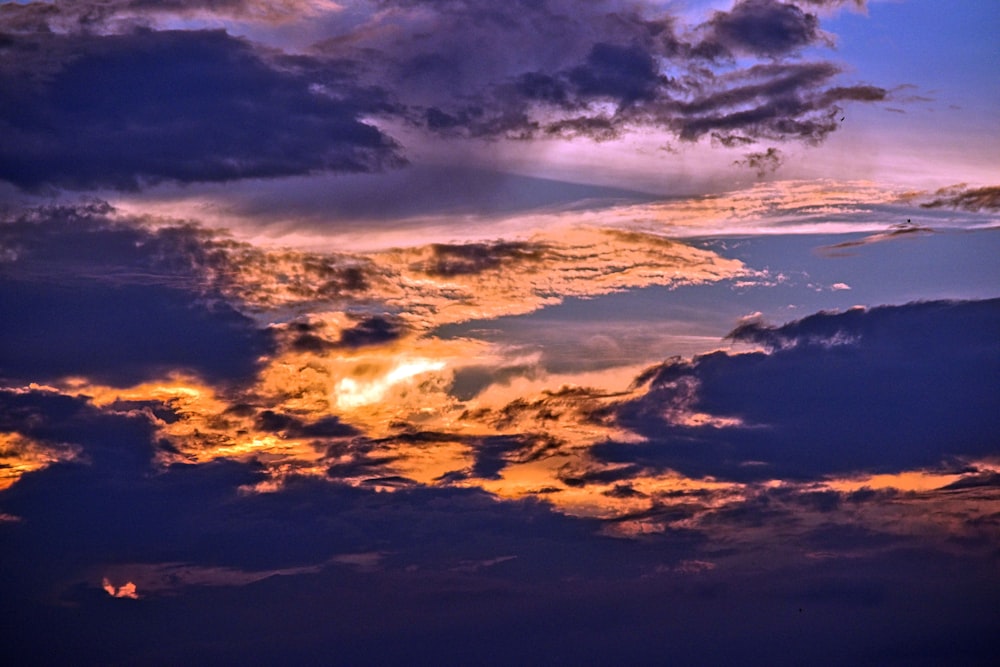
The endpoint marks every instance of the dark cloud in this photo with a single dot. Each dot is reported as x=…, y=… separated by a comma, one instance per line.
x=860, y=4
x=373, y=330
x=111, y=440
x=579, y=478
x=418, y=192
x=100, y=101
x=760, y=27
x=762, y=163
x=438, y=575
x=293, y=427
x=899, y=230
x=971, y=199
x=771, y=101
x=85, y=295
x=604, y=68
x=983, y=479
x=494, y=453
x=124, y=110
x=880, y=390
x=473, y=258
x=624, y=491
x=369, y=330
x=627, y=74
x=105, y=16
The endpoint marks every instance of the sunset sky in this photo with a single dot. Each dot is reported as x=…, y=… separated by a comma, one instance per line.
x=500, y=332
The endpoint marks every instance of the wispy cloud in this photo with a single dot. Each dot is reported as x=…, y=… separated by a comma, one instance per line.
x=970, y=199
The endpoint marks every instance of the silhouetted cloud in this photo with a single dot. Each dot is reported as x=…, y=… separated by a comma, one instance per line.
x=103, y=15
x=837, y=393
x=126, y=110
x=99, y=95
x=762, y=163
x=473, y=258
x=372, y=330
x=971, y=199
x=760, y=27
x=494, y=453
x=603, y=68
x=984, y=479
x=293, y=427
x=897, y=231
x=85, y=295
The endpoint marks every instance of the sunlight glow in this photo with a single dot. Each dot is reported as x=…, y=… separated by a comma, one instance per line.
x=352, y=393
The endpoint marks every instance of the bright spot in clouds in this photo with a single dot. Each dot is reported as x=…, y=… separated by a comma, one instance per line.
x=353, y=393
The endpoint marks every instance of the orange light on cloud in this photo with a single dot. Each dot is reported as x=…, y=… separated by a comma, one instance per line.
x=20, y=455
x=127, y=590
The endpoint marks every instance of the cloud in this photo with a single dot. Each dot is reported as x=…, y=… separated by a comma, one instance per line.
x=86, y=295
x=762, y=163
x=760, y=27
x=984, y=479
x=860, y=4
x=103, y=95
x=373, y=330
x=421, y=193
x=897, y=231
x=108, y=15
x=127, y=110
x=837, y=393
x=768, y=101
x=473, y=258
x=293, y=427
x=411, y=560
x=602, y=69
x=970, y=199
x=494, y=453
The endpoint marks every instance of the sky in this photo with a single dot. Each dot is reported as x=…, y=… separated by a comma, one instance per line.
x=468, y=332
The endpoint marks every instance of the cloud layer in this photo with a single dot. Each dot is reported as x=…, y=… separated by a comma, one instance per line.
x=104, y=95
